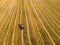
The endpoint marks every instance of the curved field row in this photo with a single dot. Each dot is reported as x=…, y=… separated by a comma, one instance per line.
x=41, y=20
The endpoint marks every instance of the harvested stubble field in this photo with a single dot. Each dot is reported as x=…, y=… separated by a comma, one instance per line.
x=41, y=20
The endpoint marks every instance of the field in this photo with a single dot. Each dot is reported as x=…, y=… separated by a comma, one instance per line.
x=41, y=20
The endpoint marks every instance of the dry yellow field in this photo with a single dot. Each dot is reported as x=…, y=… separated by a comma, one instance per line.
x=41, y=19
